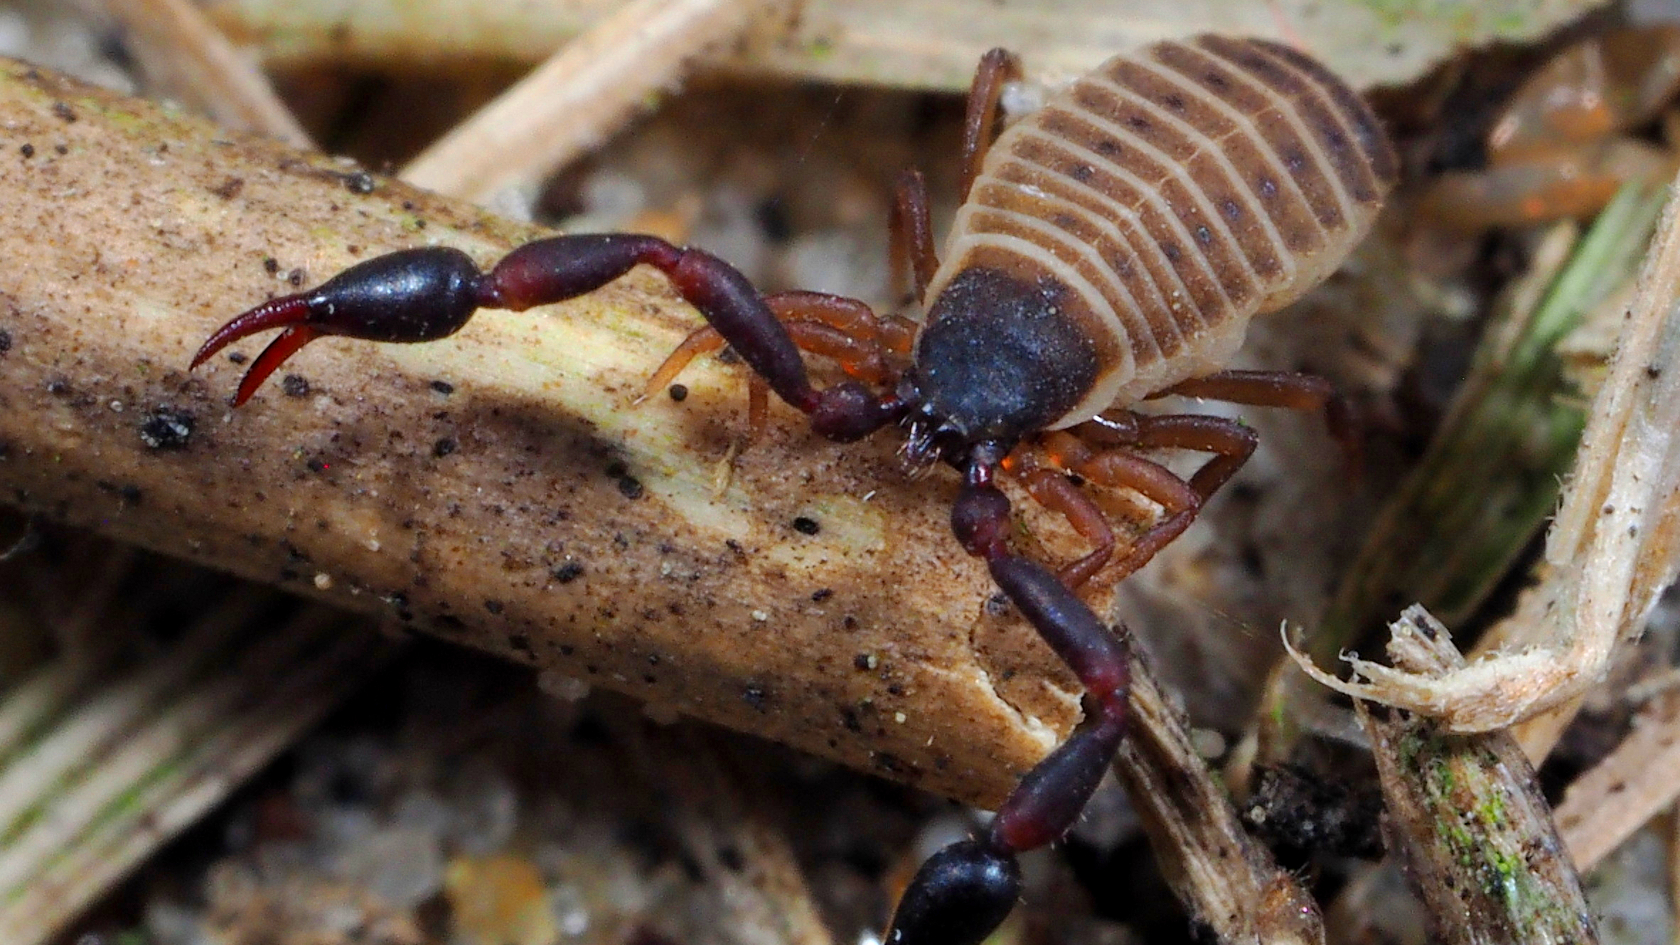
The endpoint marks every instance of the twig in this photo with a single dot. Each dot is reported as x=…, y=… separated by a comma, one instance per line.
x=1221, y=874
x=180, y=49
x=494, y=488
x=117, y=771
x=720, y=814
x=582, y=94
x=1468, y=815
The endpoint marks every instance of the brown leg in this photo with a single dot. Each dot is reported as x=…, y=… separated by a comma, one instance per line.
x=858, y=357
x=1119, y=466
x=758, y=407
x=892, y=335
x=912, y=234
x=842, y=328
x=1230, y=442
x=1113, y=462
x=834, y=326
x=1279, y=389
x=996, y=67
x=1052, y=489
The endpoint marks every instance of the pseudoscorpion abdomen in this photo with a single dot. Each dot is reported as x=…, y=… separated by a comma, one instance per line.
x=1175, y=192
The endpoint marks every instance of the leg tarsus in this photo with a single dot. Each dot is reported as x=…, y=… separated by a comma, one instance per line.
x=1287, y=389
x=911, y=228
x=700, y=341
x=996, y=67
x=758, y=407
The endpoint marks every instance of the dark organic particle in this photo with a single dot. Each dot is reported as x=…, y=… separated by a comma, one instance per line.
x=444, y=447
x=294, y=385
x=167, y=428
x=361, y=182
x=443, y=387
x=229, y=188
x=5, y=341
x=756, y=696
x=64, y=112
x=679, y=392
x=1302, y=814
x=630, y=487
x=806, y=526
x=568, y=572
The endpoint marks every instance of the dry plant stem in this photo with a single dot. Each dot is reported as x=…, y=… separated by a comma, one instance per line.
x=1634, y=783
x=180, y=49
x=121, y=764
x=1219, y=872
x=1611, y=549
x=582, y=94
x=724, y=819
x=1468, y=817
x=905, y=43
x=495, y=488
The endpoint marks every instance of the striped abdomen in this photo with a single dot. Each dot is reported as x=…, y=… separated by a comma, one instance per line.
x=1166, y=198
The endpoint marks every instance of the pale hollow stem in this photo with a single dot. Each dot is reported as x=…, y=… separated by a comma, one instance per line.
x=191, y=60
x=572, y=102
x=925, y=44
